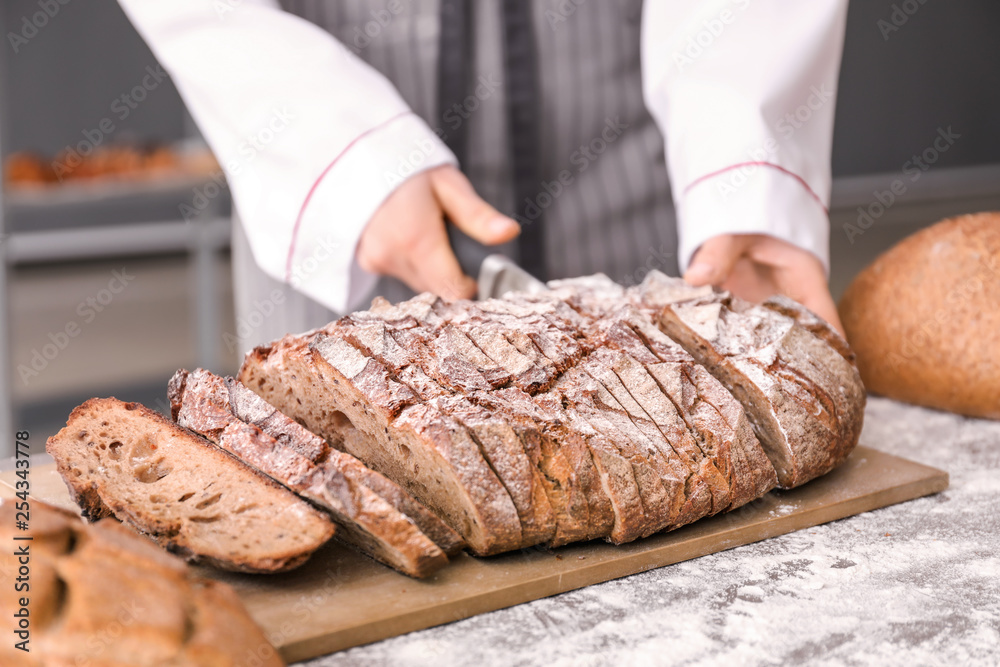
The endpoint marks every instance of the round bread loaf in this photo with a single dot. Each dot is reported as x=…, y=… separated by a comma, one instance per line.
x=924, y=318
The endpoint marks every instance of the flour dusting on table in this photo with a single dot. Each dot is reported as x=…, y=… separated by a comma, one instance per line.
x=912, y=584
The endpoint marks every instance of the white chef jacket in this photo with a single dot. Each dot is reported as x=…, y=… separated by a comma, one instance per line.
x=313, y=140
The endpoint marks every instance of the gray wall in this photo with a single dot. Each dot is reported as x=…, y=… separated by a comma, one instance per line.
x=64, y=80
x=941, y=68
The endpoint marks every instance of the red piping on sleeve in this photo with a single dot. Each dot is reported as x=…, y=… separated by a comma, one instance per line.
x=798, y=178
x=312, y=190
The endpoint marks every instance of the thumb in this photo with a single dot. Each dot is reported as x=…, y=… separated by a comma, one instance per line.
x=715, y=259
x=809, y=287
x=468, y=211
x=439, y=272
x=822, y=304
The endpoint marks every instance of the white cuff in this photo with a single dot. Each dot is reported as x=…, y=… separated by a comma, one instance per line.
x=321, y=258
x=753, y=198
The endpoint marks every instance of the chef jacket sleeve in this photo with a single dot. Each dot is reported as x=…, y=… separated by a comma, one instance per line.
x=312, y=140
x=744, y=92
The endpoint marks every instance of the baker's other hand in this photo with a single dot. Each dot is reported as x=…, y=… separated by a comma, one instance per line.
x=407, y=238
x=756, y=266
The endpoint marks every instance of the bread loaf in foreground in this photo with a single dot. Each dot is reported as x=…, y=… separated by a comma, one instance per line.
x=102, y=595
x=924, y=318
x=193, y=498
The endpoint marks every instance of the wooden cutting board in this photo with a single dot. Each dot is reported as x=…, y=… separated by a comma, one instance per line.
x=341, y=599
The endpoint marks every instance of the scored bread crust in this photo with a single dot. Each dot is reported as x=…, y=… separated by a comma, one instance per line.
x=714, y=417
x=474, y=349
x=191, y=497
x=202, y=402
x=432, y=456
x=802, y=394
x=611, y=420
x=433, y=368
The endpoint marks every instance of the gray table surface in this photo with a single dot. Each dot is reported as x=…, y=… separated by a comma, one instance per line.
x=912, y=584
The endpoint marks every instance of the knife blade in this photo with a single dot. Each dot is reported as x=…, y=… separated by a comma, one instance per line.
x=499, y=275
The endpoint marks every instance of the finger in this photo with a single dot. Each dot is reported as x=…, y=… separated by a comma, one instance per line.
x=816, y=297
x=468, y=210
x=806, y=283
x=750, y=281
x=437, y=270
x=822, y=304
x=715, y=259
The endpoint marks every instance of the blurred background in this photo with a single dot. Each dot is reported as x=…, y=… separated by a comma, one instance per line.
x=114, y=266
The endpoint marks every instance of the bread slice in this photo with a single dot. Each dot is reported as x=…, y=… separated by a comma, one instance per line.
x=531, y=344
x=812, y=323
x=803, y=397
x=661, y=490
x=506, y=452
x=641, y=398
x=449, y=354
x=351, y=400
x=103, y=595
x=202, y=402
x=727, y=453
x=713, y=415
x=566, y=469
x=434, y=366
x=187, y=494
x=251, y=408
x=568, y=478
x=694, y=497
x=615, y=472
x=449, y=541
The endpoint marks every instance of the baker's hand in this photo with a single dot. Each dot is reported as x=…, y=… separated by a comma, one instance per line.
x=756, y=266
x=407, y=238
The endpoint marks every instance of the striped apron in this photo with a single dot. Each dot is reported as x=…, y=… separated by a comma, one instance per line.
x=603, y=192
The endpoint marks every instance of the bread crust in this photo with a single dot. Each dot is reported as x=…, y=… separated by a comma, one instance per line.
x=578, y=409
x=924, y=318
x=803, y=396
x=294, y=376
